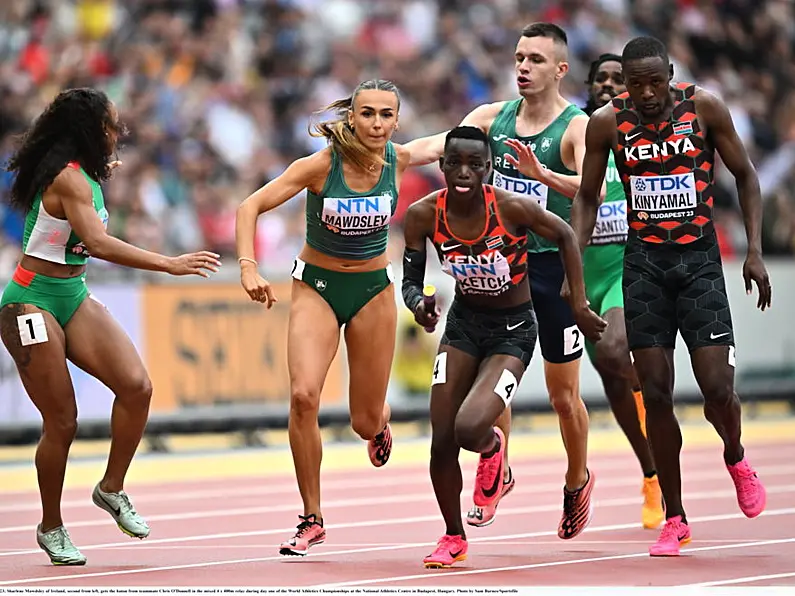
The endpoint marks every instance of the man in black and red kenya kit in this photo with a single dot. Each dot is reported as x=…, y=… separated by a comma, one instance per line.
x=664, y=137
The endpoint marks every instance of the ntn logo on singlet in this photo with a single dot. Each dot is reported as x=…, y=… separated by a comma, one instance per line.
x=488, y=273
x=611, y=222
x=663, y=193
x=651, y=151
x=357, y=215
x=532, y=188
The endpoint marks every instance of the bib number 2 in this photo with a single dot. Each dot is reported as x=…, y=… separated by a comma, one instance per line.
x=32, y=329
x=572, y=340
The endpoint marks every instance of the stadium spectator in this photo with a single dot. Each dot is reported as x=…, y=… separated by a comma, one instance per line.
x=218, y=93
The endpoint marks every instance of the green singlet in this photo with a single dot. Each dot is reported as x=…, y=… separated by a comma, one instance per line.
x=546, y=146
x=347, y=224
x=603, y=259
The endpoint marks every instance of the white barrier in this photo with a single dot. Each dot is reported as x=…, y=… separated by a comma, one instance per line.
x=764, y=341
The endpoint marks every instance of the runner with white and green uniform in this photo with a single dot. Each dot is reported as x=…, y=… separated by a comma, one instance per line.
x=46, y=319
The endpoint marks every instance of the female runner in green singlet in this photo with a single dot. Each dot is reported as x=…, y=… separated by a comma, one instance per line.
x=341, y=277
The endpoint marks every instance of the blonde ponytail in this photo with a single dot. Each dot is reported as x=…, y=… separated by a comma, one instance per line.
x=340, y=134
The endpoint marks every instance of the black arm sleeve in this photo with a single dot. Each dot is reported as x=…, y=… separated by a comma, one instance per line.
x=413, y=277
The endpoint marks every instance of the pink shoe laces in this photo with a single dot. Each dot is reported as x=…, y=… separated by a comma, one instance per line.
x=748, y=478
x=670, y=532
x=445, y=542
x=488, y=467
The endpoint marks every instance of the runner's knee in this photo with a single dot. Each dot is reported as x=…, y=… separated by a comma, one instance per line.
x=60, y=425
x=718, y=389
x=472, y=434
x=304, y=401
x=612, y=357
x=443, y=447
x=657, y=394
x=367, y=424
x=137, y=391
x=564, y=395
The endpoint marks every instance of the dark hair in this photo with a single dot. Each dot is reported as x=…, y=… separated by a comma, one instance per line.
x=590, y=104
x=644, y=47
x=546, y=30
x=466, y=132
x=338, y=131
x=597, y=63
x=74, y=127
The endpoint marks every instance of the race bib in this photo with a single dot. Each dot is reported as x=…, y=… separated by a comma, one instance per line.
x=357, y=216
x=532, y=188
x=487, y=274
x=611, y=223
x=664, y=197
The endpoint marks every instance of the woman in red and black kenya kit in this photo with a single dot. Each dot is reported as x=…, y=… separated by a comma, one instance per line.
x=480, y=236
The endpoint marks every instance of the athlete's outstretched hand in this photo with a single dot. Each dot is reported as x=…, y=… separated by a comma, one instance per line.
x=527, y=162
x=425, y=319
x=591, y=324
x=754, y=269
x=258, y=288
x=194, y=263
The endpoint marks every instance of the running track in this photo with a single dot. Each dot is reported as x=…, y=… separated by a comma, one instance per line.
x=380, y=523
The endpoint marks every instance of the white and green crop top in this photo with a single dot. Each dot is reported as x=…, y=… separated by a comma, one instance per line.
x=52, y=239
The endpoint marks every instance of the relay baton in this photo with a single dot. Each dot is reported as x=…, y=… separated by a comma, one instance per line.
x=429, y=302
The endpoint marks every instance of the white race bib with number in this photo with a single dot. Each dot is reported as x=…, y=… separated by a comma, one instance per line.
x=32, y=329
x=440, y=369
x=572, y=340
x=506, y=386
x=357, y=216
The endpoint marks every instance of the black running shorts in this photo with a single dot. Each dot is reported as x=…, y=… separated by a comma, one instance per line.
x=670, y=288
x=484, y=332
x=560, y=338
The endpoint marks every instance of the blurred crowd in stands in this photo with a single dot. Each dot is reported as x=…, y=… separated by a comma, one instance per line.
x=218, y=94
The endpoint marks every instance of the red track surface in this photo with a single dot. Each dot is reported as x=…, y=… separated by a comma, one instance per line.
x=227, y=534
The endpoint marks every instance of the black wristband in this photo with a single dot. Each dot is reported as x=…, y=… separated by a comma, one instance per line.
x=413, y=277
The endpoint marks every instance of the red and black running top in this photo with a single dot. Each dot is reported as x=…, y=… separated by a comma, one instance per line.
x=667, y=170
x=490, y=264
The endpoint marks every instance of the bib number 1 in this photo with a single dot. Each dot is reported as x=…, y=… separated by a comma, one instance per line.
x=32, y=329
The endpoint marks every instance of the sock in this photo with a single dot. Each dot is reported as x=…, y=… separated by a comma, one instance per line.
x=491, y=452
x=641, y=409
